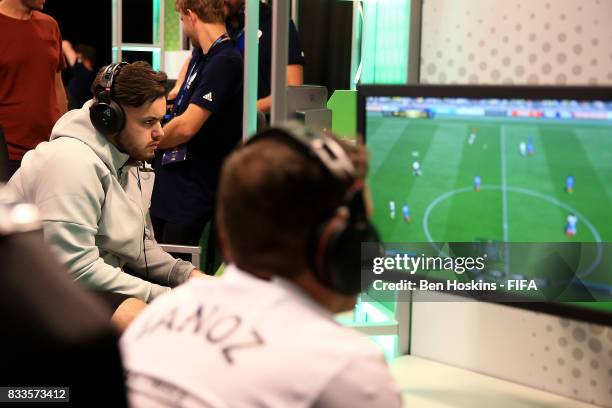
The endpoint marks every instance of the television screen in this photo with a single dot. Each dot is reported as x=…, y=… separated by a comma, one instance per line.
x=508, y=169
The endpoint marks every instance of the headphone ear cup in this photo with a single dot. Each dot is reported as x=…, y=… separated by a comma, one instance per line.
x=107, y=117
x=324, y=249
x=338, y=252
x=345, y=259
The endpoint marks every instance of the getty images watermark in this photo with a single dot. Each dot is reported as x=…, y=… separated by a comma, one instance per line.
x=421, y=264
x=505, y=272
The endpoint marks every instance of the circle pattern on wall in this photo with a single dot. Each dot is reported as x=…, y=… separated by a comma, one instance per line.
x=516, y=42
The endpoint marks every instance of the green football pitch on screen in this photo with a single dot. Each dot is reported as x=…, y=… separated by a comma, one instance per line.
x=453, y=178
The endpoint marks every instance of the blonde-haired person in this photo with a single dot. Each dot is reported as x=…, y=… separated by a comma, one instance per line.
x=205, y=127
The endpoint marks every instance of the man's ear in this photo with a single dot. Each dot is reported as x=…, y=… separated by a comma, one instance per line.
x=193, y=17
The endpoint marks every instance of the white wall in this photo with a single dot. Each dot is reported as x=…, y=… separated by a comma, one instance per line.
x=557, y=355
x=517, y=41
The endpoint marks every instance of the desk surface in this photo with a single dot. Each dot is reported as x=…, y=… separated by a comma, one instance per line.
x=427, y=384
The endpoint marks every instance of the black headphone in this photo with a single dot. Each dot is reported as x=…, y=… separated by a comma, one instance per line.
x=335, y=244
x=107, y=115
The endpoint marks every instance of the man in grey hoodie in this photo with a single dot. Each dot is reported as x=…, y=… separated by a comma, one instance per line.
x=93, y=189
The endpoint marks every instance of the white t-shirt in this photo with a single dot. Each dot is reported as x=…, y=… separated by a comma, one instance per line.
x=240, y=341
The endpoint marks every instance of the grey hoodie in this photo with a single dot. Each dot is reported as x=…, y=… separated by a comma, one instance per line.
x=93, y=203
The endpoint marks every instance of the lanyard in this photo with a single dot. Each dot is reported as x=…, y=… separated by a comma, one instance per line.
x=193, y=72
x=186, y=85
x=224, y=37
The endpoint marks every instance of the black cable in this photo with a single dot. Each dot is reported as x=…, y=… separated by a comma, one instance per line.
x=144, y=228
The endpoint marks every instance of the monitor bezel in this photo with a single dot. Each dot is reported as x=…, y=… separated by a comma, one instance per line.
x=578, y=93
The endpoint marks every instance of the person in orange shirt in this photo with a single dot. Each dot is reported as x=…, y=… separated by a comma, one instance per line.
x=32, y=96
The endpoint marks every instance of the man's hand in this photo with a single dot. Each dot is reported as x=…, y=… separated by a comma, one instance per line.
x=174, y=92
x=69, y=52
x=196, y=273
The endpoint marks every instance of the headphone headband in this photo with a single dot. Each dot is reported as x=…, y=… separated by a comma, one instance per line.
x=109, y=75
x=318, y=146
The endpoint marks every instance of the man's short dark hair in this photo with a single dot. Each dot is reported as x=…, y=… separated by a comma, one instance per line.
x=136, y=84
x=271, y=200
x=208, y=11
